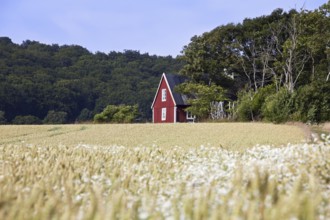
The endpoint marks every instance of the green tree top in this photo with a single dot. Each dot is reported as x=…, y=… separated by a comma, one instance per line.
x=200, y=97
x=117, y=114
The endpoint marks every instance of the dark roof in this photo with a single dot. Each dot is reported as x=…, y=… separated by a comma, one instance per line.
x=174, y=80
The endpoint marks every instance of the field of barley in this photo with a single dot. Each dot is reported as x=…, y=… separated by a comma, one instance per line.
x=172, y=171
x=234, y=136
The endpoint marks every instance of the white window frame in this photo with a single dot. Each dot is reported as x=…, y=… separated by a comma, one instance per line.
x=164, y=95
x=163, y=114
x=190, y=117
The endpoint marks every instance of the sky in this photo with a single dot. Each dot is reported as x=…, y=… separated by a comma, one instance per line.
x=157, y=27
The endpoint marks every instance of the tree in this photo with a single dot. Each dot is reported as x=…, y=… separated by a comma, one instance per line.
x=300, y=40
x=294, y=53
x=278, y=107
x=26, y=120
x=250, y=103
x=316, y=38
x=85, y=115
x=2, y=118
x=117, y=114
x=255, y=48
x=125, y=114
x=36, y=78
x=55, y=117
x=312, y=103
x=210, y=58
x=271, y=57
x=201, y=96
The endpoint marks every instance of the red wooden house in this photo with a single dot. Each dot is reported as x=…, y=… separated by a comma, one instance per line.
x=168, y=106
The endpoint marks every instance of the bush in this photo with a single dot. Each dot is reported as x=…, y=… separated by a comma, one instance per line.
x=125, y=114
x=244, y=107
x=311, y=103
x=278, y=107
x=117, y=114
x=250, y=103
x=54, y=117
x=26, y=120
x=85, y=115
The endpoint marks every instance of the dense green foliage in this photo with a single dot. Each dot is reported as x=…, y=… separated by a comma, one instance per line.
x=117, y=114
x=58, y=84
x=277, y=67
x=312, y=103
x=55, y=117
x=200, y=97
x=2, y=117
x=26, y=120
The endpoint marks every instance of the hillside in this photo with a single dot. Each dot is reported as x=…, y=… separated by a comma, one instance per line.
x=37, y=78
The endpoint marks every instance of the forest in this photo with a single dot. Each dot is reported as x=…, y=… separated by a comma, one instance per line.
x=273, y=68
x=64, y=84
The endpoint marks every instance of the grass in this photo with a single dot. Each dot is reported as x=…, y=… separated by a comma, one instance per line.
x=162, y=172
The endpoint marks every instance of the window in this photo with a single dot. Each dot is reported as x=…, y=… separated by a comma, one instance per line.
x=163, y=95
x=190, y=117
x=163, y=114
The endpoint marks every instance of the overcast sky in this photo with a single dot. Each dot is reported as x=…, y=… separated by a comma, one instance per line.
x=160, y=27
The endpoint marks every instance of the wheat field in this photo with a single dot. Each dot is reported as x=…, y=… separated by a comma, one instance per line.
x=235, y=136
x=183, y=171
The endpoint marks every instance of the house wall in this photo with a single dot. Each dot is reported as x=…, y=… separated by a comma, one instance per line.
x=181, y=114
x=159, y=104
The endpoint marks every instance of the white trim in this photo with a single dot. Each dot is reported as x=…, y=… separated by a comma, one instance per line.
x=175, y=108
x=169, y=89
x=164, y=94
x=189, y=116
x=160, y=82
x=164, y=112
x=153, y=116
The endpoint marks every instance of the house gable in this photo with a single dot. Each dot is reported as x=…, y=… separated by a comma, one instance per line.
x=162, y=85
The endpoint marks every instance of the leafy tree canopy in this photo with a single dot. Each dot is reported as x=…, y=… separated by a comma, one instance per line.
x=2, y=117
x=200, y=97
x=117, y=114
x=36, y=78
x=267, y=63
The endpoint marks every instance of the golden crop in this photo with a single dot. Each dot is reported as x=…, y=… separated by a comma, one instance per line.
x=235, y=136
x=62, y=172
